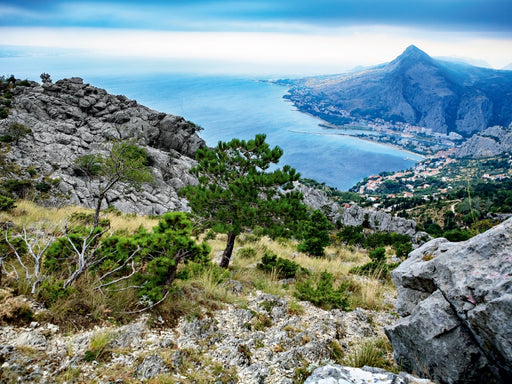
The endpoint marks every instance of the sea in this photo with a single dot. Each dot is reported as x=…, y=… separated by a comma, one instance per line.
x=241, y=106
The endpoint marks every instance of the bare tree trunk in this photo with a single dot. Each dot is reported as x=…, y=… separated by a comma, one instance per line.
x=226, y=255
x=97, y=211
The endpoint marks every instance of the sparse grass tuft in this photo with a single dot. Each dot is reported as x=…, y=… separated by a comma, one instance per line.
x=373, y=353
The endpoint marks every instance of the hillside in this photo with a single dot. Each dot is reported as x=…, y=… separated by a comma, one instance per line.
x=414, y=89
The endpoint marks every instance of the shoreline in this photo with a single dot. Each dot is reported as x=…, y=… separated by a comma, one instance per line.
x=394, y=146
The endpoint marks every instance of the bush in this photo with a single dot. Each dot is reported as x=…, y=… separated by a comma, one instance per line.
x=42, y=187
x=316, y=234
x=17, y=187
x=246, y=252
x=7, y=204
x=284, y=268
x=377, y=266
x=324, y=295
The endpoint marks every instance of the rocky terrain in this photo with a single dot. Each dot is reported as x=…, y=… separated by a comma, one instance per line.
x=262, y=341
x=68, y=119
x=415, y=89
x=455, y=300
x=490, y=142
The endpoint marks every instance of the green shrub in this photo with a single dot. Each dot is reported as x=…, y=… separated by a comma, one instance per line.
x=246, y=252
x=324, y=295
x=52, y=290
x=7, y=204
x=18, y=187
x=457, y=235
x=377, y=266
x=316, y=234
x=4, y=113
x=31, y=171
x=403, y=249
x=42, y=187
x=284, y=268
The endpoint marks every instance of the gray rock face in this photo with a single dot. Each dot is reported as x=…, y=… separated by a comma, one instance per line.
x=354, y=215
x=69, y=119
x=378, y=220
x=455, y=300
x=491, y=142
x=336, y=374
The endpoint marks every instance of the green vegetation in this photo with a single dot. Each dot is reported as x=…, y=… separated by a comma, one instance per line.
x=322, y=292
x=125, y=162
x=237, y=192
x=284, y=268
x=315, y=234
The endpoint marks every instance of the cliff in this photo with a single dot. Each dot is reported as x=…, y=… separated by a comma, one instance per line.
x=68, y=119
x=490, y=142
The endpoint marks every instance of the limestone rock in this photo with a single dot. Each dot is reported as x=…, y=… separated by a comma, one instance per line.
x=490, y=142
x=151, y=366
x=68, y=119
x=456, y=303
x=336, y=374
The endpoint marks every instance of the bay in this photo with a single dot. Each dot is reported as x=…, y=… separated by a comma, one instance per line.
x=227, y=107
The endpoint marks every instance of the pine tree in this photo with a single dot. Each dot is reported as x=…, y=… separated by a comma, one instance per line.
x=236, y=191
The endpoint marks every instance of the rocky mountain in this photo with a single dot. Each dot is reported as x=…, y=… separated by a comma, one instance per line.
x=455, y=300
x=414, y=88
x=68, y=118
x=490, y=142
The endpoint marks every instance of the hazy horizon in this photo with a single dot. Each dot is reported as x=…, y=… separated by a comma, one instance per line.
x=249, y=37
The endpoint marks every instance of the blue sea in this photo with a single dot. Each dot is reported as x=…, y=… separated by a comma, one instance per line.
x=234, y=106
x=227, y=107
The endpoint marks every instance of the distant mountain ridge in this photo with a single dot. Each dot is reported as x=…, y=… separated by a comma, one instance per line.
x=414, y=88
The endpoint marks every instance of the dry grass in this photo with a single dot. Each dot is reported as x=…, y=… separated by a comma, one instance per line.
x=28, y=214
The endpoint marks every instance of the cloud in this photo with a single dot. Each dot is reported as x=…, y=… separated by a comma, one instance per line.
x=339, y=49
x=244, y=15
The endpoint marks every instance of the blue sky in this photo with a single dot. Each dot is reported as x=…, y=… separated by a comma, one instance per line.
x=301, y=36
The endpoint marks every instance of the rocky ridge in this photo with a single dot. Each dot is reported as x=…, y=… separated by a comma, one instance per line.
x=68, y=119
x=490, y=142
x=455, y=300
x=354, y=215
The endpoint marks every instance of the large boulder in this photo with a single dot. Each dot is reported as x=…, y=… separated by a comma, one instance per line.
x=455, y=300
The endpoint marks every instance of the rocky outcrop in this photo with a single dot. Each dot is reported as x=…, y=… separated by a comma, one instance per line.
x=336, y=374
x=455, y=300
x=378, y=220
x=491, y=142
x=69, y=118
x=354, y=215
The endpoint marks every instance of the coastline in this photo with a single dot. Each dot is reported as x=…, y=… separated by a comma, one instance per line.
x=394, y=146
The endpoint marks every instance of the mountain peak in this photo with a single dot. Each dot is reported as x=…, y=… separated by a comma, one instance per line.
x=414, y=52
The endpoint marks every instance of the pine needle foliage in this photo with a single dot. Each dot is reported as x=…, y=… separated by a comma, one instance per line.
x=236, y=191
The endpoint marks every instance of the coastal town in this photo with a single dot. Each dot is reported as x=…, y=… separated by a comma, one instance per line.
x=435, y=176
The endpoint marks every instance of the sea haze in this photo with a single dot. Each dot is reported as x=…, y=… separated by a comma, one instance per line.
x=228, y=107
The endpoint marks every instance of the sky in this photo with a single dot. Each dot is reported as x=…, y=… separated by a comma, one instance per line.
x=267, y=36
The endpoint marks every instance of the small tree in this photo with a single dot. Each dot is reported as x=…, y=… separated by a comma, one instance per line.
x=316, y=234
x=125, y=162
x=16, y=131
x=236, y=192
x=46, y=78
